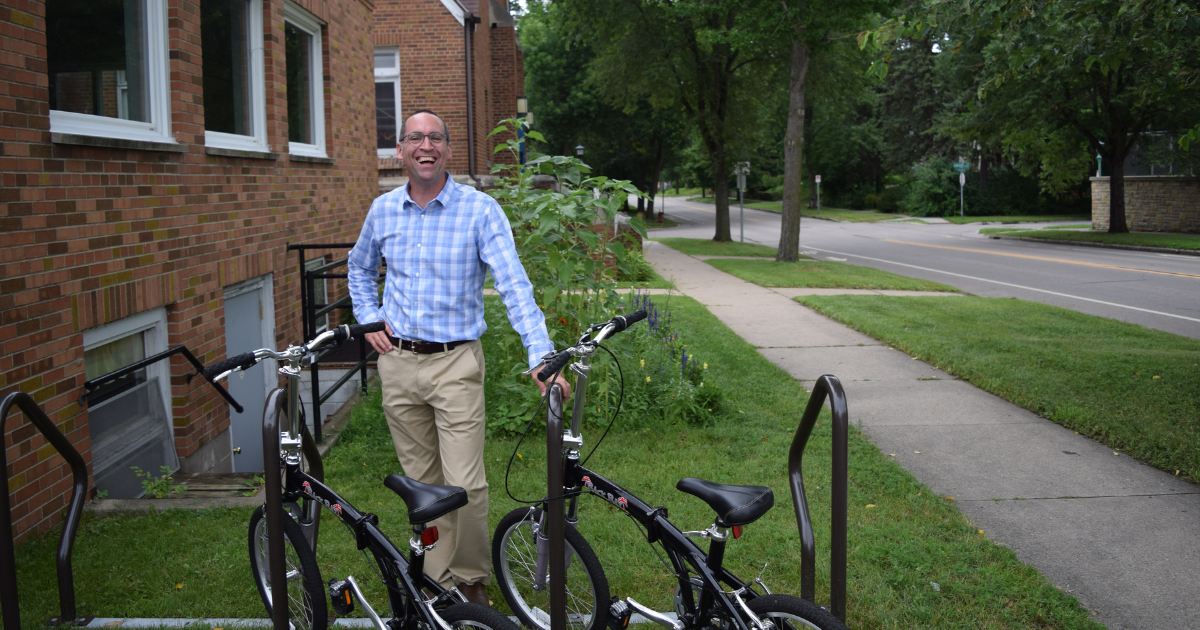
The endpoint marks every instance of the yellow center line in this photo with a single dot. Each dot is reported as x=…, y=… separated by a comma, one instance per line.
x=1057, y=260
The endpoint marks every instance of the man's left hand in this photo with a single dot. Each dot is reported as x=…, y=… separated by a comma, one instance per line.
x=562, y=382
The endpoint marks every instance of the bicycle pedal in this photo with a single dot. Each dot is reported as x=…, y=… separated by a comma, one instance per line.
x=341, y=597
x=618, y=614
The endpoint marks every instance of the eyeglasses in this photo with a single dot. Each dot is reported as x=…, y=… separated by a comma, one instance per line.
x=417, y=138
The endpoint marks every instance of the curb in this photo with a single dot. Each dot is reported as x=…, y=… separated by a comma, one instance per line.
x=113, y=507
x=1139, y=248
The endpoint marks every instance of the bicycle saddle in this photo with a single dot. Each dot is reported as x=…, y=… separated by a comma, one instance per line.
x=734, y=505
x=425, y=501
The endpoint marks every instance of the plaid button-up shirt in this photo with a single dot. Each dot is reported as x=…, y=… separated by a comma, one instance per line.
x=437, y=259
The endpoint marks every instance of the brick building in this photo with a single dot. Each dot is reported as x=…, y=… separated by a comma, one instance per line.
x=156, y=157
x=421, y=48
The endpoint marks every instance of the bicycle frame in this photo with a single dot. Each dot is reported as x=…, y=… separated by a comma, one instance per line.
x=681, y=550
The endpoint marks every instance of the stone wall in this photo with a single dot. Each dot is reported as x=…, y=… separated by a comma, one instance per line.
x=1152, y=204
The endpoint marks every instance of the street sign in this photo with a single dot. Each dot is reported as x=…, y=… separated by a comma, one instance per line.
x=818, y=179
x=741, y=183
x=962, y=179
x=961, y=167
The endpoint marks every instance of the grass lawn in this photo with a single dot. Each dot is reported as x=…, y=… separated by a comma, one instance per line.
x=821, y=274
x=1132, y=388
x=708, y=247
x=835, y=214
x=902, y=537
x=1172, y=241
x=1020, y=219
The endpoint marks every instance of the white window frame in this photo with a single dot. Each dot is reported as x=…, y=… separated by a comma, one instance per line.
x=258, y=93
x=158, y=87
x=309, y=265
x=154, y=324
x=310, y=24
x=390, y=75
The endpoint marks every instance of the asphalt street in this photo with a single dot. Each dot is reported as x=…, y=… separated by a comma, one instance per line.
x=1156, y=290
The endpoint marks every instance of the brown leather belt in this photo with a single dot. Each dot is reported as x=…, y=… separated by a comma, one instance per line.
x=426, y=347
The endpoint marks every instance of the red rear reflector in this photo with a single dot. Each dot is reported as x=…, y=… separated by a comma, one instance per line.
x=737, y=531
x=429, y=536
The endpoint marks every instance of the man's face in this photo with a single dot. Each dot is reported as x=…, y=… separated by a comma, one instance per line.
x=424, y=162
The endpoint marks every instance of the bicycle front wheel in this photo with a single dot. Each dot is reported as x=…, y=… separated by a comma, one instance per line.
x=514, y=558
x=788, y=612
x=305, y=592
x=468, y=616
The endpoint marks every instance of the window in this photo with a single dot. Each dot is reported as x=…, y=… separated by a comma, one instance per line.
x=319, y=294
x=107, y=65
x=387, y=100
x=305, y=83
x=234, y=87
x=129, y=418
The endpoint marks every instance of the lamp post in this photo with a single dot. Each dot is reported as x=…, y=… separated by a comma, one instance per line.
x=1098, y=158
x=579, y=151
x=522, y=112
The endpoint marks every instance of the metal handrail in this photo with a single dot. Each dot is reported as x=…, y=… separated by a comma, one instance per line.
x=827, y=386
x=8, y=566
x=133, y=367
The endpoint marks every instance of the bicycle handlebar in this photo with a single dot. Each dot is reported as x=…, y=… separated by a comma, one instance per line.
x=247, y=360
x=614, y=326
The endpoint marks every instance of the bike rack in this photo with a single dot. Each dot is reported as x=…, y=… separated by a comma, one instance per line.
x=310, y=312
x=827, y=386
x=273, y=507
x=8, y=565
x=555, y=510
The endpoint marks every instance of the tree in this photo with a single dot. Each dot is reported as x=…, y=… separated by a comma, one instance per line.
x=704, y=57
x=1061, y=80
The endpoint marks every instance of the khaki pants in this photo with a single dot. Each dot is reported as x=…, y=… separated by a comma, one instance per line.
x=435, y=412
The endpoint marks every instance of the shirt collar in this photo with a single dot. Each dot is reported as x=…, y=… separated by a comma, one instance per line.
x=449, y=191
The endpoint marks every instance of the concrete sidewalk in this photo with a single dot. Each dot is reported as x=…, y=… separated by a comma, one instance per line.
x=1119, y=535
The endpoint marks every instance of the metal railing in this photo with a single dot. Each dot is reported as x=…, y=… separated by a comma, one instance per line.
x=8, y=566
x=827, y=386
x=311, y=312
x=95, y=383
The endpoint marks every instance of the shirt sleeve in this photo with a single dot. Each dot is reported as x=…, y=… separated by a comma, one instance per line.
x=362, y=268
x=499, y=252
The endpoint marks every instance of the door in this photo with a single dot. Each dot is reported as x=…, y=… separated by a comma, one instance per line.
x=244, y=332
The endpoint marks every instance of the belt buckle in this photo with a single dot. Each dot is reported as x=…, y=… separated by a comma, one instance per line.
x=413, y=345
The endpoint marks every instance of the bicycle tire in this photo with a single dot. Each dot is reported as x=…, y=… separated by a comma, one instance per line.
x=789, y=612
x=307, y=607
x=514, y=559
x=469, y=615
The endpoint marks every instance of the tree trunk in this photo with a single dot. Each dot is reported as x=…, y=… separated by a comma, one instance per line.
x=1116, y=189
x=808, y=136
x=793, y=149
x=721, y=191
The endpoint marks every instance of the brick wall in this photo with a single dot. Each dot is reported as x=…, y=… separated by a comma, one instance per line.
x=92, y=234
x=433, y=73
x=1152, y=204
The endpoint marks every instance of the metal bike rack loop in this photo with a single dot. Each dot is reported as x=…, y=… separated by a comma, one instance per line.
x=827, y=386
x=273, y=482
x=556, y=511
x=8, y=565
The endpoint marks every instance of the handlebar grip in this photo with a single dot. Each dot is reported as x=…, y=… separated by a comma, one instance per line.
x=352, y=331
x=622, y=322
x=242, y=361
x=556, y=364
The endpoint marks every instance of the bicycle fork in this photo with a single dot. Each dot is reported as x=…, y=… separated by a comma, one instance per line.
x=541, y=576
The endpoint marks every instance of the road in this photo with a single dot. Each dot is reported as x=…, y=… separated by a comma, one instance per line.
x=1155, y=290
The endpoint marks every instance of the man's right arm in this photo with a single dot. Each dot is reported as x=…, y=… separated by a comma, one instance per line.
x=362, y=267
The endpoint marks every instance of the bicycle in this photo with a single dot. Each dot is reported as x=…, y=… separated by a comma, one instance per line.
x=303, y=496
x=520, y=546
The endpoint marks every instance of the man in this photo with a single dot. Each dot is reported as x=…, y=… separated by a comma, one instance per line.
x=439, y=238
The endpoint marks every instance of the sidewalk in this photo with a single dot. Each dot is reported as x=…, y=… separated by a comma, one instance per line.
x=1119, y=535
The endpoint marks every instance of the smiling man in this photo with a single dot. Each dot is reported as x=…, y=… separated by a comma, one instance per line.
x=439, y=239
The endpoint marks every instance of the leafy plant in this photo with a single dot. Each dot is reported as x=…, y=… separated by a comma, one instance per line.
x=158, y=487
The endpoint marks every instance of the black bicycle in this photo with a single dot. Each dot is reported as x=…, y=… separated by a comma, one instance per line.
x=303, y=496
x=708, y=596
